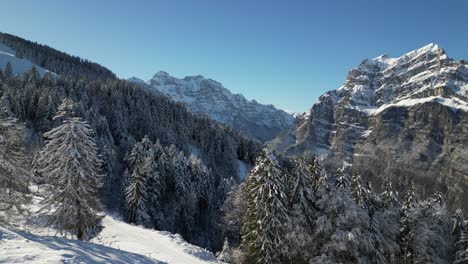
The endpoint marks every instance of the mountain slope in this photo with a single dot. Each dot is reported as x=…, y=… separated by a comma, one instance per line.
x=19, y=66
x=23, y=247
x=29, y=241
x=400, y=119
x=208, y=97
x=53, y=60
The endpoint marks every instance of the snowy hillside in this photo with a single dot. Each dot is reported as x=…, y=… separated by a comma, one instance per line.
x=19, y=66
x=162, y=246
x=208, y=97
x=18, y=246
x=118, y=242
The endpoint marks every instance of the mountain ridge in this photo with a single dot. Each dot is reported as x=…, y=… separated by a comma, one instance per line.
x=205, y=96
x=400, y=119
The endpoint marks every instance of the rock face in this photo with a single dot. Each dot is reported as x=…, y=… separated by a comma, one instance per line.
x=208, y=97
x=399, y=119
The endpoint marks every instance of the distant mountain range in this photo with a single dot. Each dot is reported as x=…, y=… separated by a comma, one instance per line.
x=208, y=97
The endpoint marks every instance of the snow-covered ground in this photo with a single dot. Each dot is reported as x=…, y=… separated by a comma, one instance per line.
x=162, y=246
x=17, y=246
x=119, y=242
x=19, y=66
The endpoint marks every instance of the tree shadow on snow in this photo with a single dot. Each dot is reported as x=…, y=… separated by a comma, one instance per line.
x=86, y=252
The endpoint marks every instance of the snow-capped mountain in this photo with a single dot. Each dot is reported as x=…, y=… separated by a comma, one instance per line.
x=208, y=97
x=402, y=119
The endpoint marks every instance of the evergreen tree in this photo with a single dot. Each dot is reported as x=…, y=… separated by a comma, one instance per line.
x=266, y=212
x=460, y=234
x=342, y=177
x=233, y=213
x=155, y=188
x=431, y=232
x=389, y=196
x=70, y=164
x=358, y=191
x=343, y=231
x=225, y=255
x=14, y=175
x=406, y=230
x=302, y=213
x=388, y=219
x=315, y=172
x=136, y=194
x=8, y=72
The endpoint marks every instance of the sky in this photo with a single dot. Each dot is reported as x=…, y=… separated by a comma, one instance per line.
x=285, y=53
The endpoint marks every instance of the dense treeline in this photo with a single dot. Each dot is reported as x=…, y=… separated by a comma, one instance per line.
x=293, y=212
x=120, y=114
x=54, y=60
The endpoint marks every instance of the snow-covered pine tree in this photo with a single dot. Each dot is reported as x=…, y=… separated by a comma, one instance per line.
x=342, y=177
x=388, y=219
x=389, y=197
x=71, y=166
x=431, y=232
x=299, y=229
x=343, y=230
x=266, y=214
x=136, y=193
x=8, y=75
x=233, y=211
x=14, y=174
x=358, y=190
x=460, y=234
x=156, y=186
x=315, y=172
x=406, y=228
x=225, y=255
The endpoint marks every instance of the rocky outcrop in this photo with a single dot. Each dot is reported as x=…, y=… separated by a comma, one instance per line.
x=399, y=119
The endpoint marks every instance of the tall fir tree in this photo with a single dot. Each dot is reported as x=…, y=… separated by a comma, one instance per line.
x=302, y=212
x=226, y=254
x=8, y=72
x=460, y=235
x=388, y=219
x=316, y=172
x=14, y=172
x=136, y=193
x=406, y=229
x=266, y=215
x=71, y=166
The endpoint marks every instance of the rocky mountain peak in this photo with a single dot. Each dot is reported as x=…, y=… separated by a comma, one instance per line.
x=209, y=97
x=400, y=119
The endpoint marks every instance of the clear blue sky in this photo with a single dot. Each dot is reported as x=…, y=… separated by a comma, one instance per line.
x=285, y=53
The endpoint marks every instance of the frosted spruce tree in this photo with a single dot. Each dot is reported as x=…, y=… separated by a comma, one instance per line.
x=431, y=232
x=155, y=187
x=316, y=171
x=460, y=234
x=136, y=189
x=225, y=255
x=14, y=175
x=343, y=230
x=388, y=219
x=299, y=234
x=266, y=212
x=70, y=165
x=406, y=228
